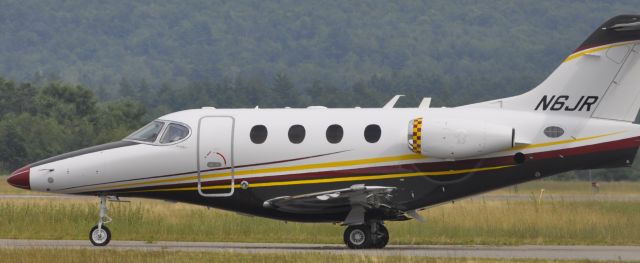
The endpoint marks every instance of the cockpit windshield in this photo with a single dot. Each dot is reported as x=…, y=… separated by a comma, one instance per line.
x=148, y=133
x=174, y=133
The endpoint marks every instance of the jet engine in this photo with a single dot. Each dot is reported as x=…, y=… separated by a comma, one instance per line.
x=458, y=138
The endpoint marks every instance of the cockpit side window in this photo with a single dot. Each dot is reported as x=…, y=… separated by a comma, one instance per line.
x=148, y=133
x=175, y=132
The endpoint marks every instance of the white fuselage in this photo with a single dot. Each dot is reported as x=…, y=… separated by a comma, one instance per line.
x=94, y=171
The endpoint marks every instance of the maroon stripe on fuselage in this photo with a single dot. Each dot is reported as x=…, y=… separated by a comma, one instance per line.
x=417, y=167
x=633, y=142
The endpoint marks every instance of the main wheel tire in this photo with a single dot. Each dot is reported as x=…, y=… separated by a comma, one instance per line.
x=382, y=237
x=100, y=237
x=358, y=237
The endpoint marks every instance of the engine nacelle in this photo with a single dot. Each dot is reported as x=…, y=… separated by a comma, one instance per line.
x=458, y=138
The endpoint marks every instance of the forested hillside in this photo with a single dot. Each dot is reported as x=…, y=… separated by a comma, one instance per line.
x=466, y=50
x=88, y=72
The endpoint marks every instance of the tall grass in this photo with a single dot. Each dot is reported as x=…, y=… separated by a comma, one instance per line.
x=508, y=222
x=107, y=255
x=572, y=188
x=148, y=220
x=466, y=222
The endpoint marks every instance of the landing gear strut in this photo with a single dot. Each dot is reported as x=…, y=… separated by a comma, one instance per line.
x=100, y=234
x=370, y=235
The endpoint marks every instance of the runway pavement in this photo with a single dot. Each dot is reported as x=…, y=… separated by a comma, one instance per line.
x=604, y=253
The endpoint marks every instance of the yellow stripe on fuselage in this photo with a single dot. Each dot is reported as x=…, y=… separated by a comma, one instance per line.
x=280, y=169
x=333, y=180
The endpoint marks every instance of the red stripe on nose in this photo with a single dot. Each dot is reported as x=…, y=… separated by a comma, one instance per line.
x=20, y=178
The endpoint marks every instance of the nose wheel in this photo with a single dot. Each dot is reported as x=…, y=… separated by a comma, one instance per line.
x=100, y=234
x=371, y=235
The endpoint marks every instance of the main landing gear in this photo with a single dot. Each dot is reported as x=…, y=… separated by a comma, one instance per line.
x=100, y=234
x=369, y=235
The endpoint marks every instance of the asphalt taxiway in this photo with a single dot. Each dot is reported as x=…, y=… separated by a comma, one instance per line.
x=604, y=253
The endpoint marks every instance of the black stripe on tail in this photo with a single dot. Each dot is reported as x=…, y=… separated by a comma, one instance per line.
x=618, y=29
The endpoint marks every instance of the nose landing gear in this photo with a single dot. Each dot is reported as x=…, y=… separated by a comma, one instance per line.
x=100, y=234
x=370, y=235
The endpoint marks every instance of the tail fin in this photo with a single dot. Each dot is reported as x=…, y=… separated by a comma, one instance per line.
x=601, y=79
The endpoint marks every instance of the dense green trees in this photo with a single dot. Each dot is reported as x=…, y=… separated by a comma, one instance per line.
x=482, y=47
x=40, y=121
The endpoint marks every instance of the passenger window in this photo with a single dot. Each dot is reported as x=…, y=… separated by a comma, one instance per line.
x=372, y=133
x=296, y=134
x=258, y=134
x=334, y=133
x=174, y=133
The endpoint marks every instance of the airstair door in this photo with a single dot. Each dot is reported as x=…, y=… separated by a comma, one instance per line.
x=216, y=172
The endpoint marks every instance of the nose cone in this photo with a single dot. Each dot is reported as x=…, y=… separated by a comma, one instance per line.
x=20, y=178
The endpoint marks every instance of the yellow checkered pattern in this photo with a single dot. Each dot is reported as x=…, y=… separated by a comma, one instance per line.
x=416, y=136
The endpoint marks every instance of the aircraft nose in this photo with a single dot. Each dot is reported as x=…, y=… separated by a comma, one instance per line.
x=20, y=178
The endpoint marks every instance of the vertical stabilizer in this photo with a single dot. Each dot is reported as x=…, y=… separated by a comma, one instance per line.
x=601, y=79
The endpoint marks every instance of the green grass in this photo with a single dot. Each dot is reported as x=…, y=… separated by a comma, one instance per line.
x=471, y=221
x=572, y=188
x=465, y=222
x=108, y=255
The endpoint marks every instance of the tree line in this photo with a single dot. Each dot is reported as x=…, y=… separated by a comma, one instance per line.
x=37, y=122
x=98, y=43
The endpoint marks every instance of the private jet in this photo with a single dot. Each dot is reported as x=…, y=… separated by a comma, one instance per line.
x=360, y=167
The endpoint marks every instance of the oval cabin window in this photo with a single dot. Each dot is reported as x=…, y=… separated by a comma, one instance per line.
x=258, y=134
x=296, y=134
x=334, y=133
x=372, y=133
x=553, y=131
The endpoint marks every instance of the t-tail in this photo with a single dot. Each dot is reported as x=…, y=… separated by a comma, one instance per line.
x=601, y=79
